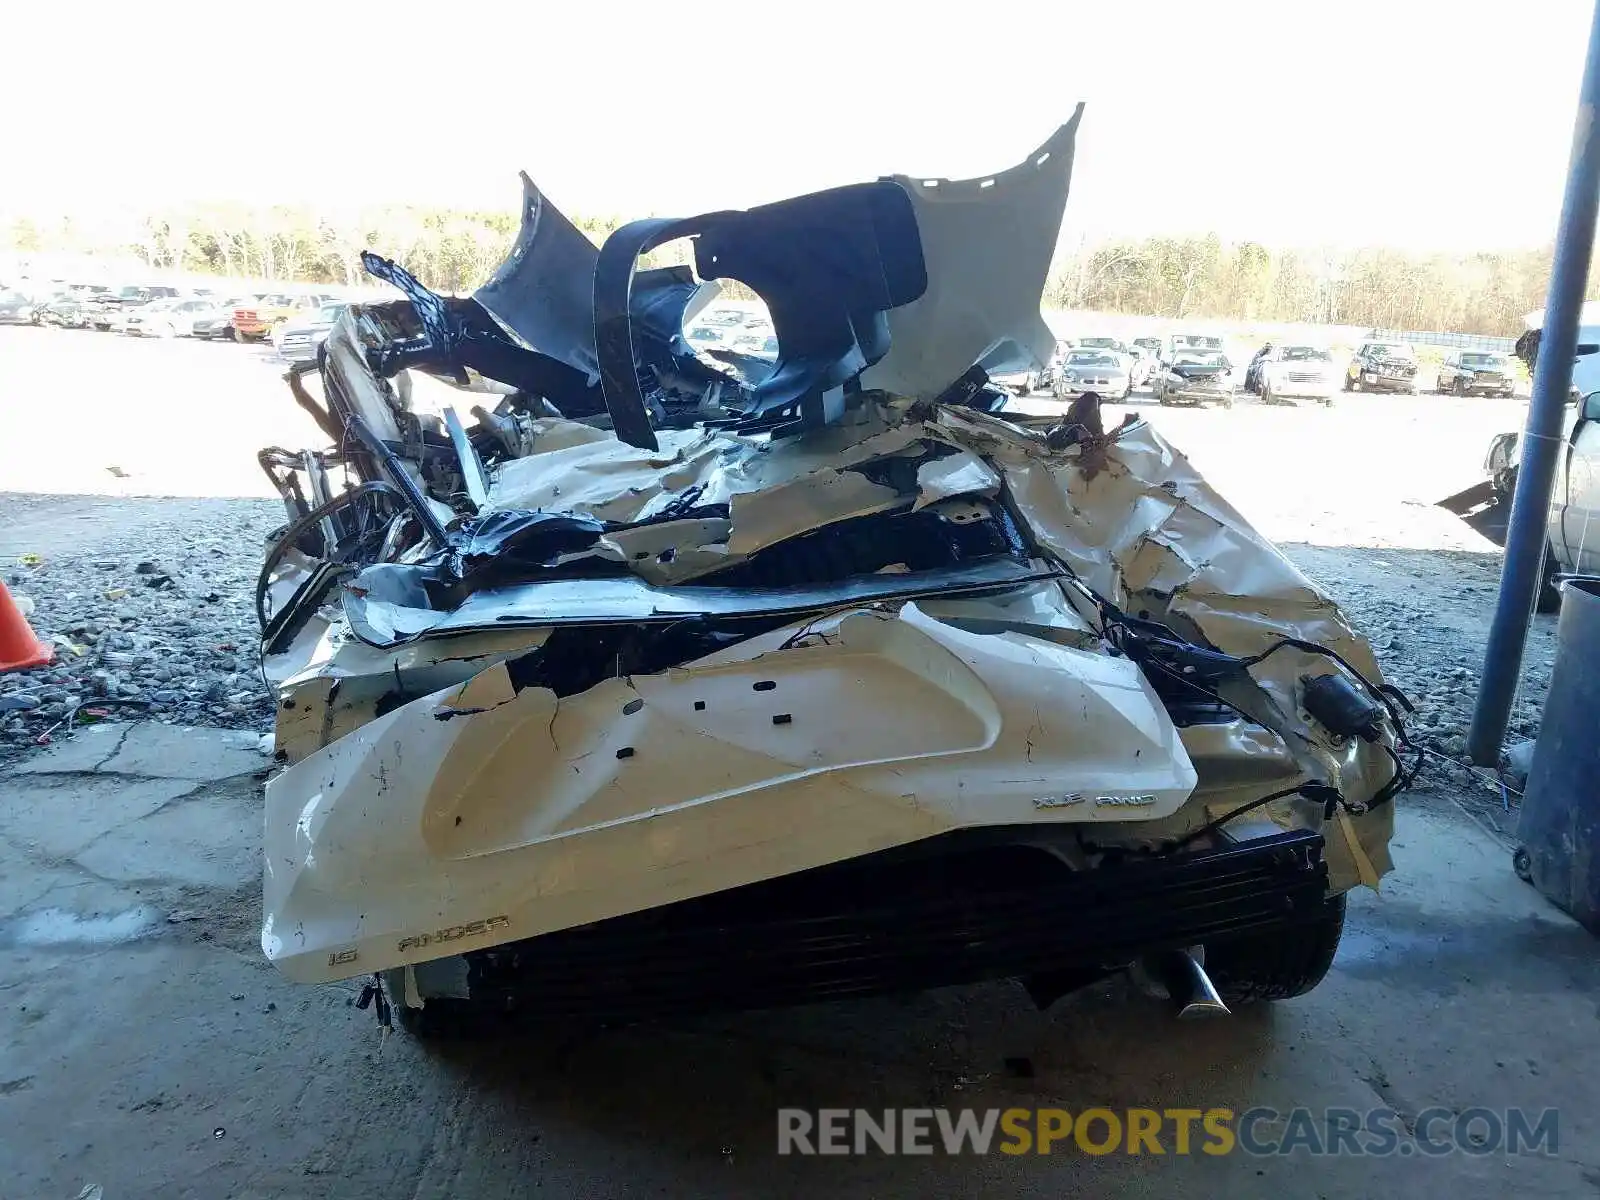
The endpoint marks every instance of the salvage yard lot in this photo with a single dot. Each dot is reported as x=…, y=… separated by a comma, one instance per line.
x=182, y=1065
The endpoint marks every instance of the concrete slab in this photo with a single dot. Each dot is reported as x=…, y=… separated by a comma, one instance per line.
x=151, y=749
x=177, y=752
x=23, y=881
x=84, y=750
x=177, y=1064
x=56, y=817
x=210, y=841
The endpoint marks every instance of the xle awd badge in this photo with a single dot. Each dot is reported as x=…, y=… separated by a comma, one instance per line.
x=1142, y=800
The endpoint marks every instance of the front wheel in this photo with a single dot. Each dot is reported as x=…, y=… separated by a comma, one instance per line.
x=1278, y=965
x=1458, y=388
x=1355, y=385
x=1548, y=599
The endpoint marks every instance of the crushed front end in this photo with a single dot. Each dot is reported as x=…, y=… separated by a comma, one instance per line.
x=664, y=681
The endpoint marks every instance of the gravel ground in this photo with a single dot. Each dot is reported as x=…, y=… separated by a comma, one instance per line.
x=157, y=592
x=146, y=600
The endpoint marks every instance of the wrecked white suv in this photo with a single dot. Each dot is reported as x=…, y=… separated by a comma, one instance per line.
x=663, y=682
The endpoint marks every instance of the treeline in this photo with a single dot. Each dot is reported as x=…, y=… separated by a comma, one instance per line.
x=1487, y=293
x=454, y=251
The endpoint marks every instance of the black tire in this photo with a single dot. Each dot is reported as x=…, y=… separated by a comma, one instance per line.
x=1355, y=385
x=1458, y=387
x=1548, y=599
x=1278, y=965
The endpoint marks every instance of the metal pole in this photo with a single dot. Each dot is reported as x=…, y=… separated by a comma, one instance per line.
x=1541, y=439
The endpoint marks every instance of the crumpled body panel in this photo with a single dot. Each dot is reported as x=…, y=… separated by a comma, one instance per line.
x=490, y=814
x=1141, y=526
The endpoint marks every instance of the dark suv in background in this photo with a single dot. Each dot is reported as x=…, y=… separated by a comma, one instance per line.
x=1477, y=373
x=1383, y=367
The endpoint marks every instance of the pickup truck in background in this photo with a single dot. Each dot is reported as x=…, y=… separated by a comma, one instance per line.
x=255, y=321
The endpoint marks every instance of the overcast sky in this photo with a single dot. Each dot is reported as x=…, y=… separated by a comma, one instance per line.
x=1412, y=123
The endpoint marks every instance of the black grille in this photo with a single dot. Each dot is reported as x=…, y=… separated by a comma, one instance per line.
x=956, y=909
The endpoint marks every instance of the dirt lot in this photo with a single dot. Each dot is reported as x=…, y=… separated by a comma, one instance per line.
x=176, y=1063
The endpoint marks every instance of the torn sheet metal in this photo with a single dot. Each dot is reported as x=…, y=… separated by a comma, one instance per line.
x=625, y=599
x=988, y=243
x=1133, y=518
x=771, y=490
x=541, y=293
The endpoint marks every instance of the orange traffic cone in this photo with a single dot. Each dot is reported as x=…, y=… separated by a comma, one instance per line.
x=18, y=646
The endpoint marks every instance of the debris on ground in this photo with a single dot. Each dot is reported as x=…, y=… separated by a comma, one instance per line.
x=186, y=650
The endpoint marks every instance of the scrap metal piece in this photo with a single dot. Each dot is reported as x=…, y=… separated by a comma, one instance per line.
x=987, y=243
x=382, y=621
x=541, y=293
x=473, y=477
x=828, y=265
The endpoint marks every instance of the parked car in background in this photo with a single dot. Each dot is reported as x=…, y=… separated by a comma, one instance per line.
x=254, y=321
x=752, y=337
x=108, y=307
x=1570, y=544
x=298, y=340
x=67, y=312
x=215, y=320
x=1135, y=358
x=1177, y=342
x=1383, y=367
x=1150, y=345
x=1477, y=373
x=1195, y=375
x=721, y=318
x=1043, y=379
x=705, y=336
x=1100, y=343
x=17, y=309
x=1101, y=371
x=165, y=318
x=1298, y=373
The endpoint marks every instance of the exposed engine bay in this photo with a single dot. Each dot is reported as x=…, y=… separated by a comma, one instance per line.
x=643, y=678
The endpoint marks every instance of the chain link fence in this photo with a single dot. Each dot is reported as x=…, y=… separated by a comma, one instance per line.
x=1455, y=341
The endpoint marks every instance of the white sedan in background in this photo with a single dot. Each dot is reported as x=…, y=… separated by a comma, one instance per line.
x=1299, y=373
x=161, y=318
x=1104, y=372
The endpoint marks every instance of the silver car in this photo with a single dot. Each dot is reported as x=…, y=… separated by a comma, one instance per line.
x=1101, y=371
